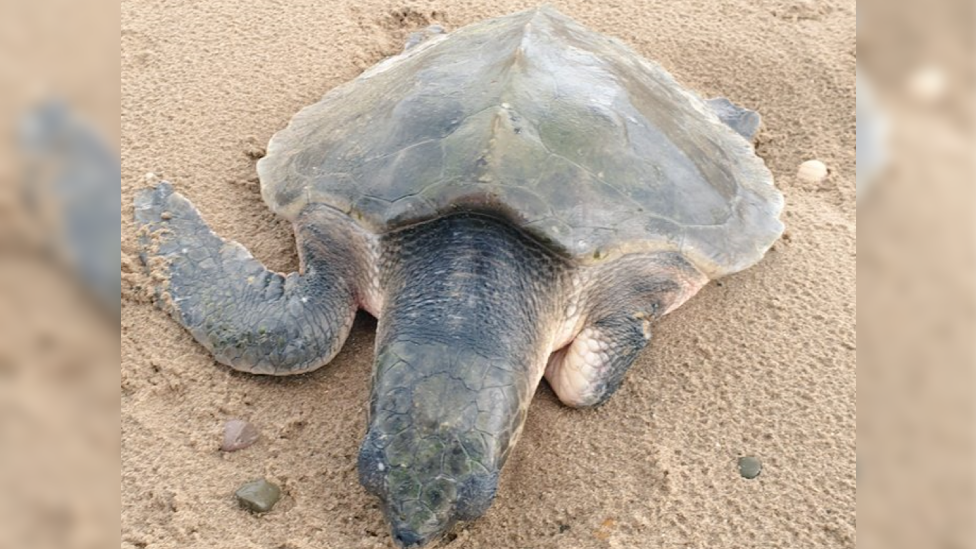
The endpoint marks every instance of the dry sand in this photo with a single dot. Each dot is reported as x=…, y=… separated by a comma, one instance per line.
x=761, y=364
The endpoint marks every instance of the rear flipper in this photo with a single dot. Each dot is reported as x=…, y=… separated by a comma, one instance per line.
x=628, y=296
x=591, y=369
x=250, y=318
x=745, y=122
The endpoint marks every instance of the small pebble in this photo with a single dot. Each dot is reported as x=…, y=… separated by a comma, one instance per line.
x=259, y=496
x=239, y=435
x=813, y=171
x=750, y=467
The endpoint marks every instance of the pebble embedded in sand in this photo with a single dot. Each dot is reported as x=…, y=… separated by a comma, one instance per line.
x=750, y=467
x=259, y=496
x=813, y=172
x=239, y=435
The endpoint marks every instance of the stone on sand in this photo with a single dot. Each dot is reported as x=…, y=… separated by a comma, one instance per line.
x=238, y=435
x=259, y=496
x=750, y=467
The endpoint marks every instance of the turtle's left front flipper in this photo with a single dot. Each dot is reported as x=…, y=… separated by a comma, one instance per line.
x=250, y=318
x=628, y=296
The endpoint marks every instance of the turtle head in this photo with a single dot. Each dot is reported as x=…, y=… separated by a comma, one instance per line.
x=432, y=455
x=426, y=483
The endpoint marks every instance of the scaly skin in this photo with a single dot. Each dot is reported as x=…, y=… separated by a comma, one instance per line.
x=251, y=319
x=472, y=314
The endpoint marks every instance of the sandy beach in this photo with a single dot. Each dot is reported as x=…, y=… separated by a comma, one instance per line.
x=759, y=364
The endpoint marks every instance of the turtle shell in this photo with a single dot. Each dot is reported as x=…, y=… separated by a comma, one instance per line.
x=569, y=134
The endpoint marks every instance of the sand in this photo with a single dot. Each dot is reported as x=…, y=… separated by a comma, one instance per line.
x=763, y=363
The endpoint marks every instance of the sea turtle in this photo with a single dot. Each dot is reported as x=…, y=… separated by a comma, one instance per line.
x=515, y=200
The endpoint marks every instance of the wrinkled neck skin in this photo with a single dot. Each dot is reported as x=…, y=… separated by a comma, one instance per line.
x=470, y=315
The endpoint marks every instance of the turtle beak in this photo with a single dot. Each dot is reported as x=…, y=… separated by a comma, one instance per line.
x=406, y=538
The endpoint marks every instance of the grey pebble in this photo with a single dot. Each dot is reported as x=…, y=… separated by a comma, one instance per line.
x=259, y=496
x=239, y=435
x=750, y=467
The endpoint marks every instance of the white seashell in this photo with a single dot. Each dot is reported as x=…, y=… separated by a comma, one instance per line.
x=813, y=172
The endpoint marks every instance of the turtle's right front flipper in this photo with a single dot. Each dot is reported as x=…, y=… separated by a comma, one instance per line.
x=250, y=318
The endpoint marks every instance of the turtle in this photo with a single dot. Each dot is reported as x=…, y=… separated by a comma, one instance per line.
x=517, y=200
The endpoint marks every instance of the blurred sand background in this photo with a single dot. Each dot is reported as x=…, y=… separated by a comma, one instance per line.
x=917, y=274
x=59, y=442
x=763, y=364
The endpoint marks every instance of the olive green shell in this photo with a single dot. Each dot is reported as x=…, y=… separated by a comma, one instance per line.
x=566, y=132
